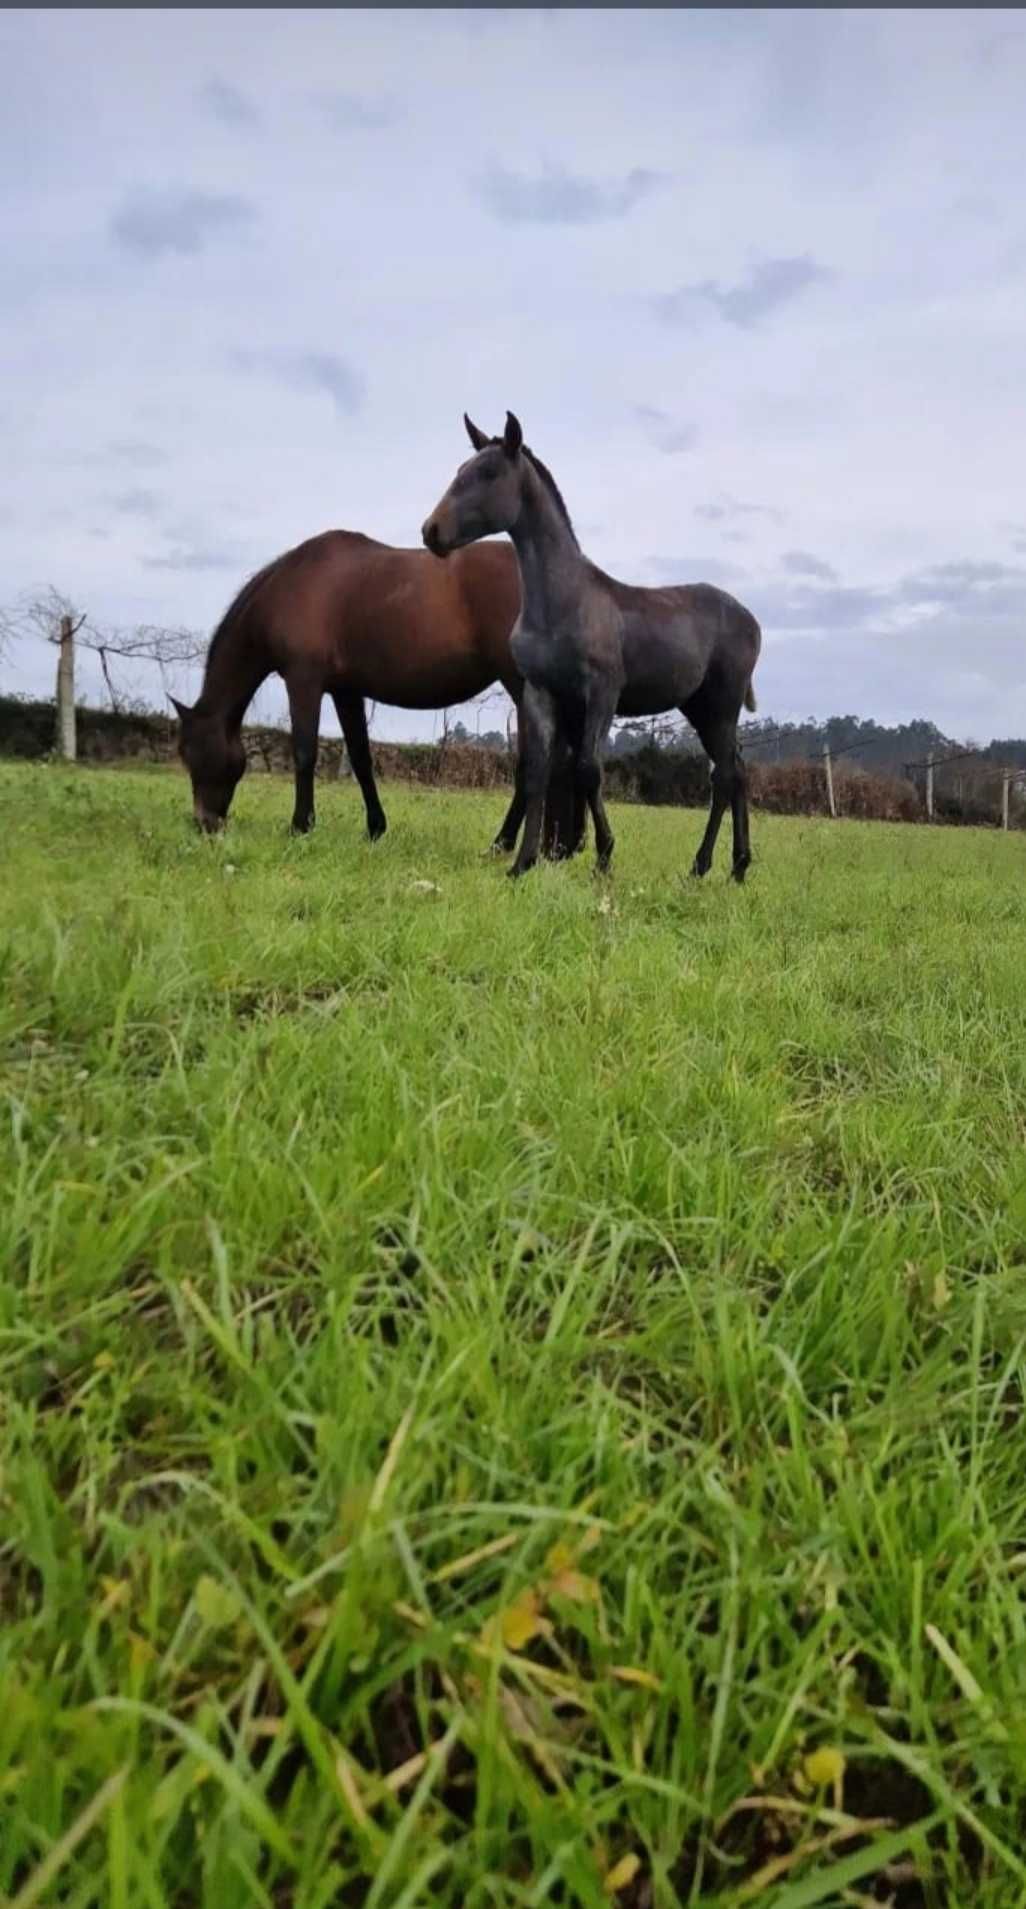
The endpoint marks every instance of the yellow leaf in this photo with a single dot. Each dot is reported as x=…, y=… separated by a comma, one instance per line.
x=824, y=1767
x=517, y=1624
x=115, y=1593
x=103, y=1361
x=140, y=1651
x=560, y=1558
x=627, y=1674
x=941, y=1292
x=624, y=1872
x=521, y=1621
x=576, y=1587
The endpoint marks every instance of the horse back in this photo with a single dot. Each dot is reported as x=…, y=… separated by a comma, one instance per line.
x=397, y=624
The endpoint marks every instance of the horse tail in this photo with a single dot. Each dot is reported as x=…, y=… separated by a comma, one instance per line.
x=749, y=695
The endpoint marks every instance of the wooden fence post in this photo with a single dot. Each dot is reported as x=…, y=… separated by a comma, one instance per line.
x=1005, y=785
x=66, y=740
x=929, y=789
x=829, y=767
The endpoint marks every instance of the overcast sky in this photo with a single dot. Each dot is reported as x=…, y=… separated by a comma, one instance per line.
x=754, y=282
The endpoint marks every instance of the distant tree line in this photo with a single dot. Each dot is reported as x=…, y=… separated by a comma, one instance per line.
x=875, y=747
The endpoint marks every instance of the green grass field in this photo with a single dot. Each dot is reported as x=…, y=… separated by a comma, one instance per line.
x=509, y=1395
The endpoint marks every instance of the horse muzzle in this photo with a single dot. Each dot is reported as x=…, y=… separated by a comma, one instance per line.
x=433, y=539
x=208, y=822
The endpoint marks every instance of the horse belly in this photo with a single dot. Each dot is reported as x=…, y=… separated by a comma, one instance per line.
x=412, y=654
x=640, y=699
x=419, y=683
x=660, y=675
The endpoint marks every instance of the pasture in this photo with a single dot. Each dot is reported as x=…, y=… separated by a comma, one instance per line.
x=510, y=1395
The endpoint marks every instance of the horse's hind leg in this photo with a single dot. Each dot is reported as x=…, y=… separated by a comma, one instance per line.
x=305, y=712
x=538, y=722
x=506, y=840
x=718, y=736
x=739, y=810
x=352, y=715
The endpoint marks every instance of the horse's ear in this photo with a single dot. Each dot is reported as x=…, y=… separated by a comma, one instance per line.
x=181, y=709
x=477, y=438
x=512, y=437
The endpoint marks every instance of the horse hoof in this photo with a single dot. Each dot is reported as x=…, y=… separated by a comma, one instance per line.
x=375, y=830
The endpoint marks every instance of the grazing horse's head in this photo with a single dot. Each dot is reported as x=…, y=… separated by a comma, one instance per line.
x=485, y=495
x=216, y=762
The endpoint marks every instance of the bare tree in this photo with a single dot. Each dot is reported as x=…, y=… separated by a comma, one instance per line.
x=53, y=617
x=149, y=643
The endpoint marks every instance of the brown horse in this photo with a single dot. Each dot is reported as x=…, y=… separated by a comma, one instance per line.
x=344, y=615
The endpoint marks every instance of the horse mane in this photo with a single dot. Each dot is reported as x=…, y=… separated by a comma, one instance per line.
x=550, y=484
x=553, y=489
x=240, y=603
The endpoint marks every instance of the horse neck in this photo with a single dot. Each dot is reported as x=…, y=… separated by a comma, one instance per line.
x=236, y=667
x=550, y=558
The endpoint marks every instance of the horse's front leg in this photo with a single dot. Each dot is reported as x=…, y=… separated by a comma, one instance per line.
x=305, y=713
x=564, y=809
x=599, y=710
x=538, y=723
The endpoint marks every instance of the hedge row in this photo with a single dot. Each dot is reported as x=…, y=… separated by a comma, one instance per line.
x=651, y=776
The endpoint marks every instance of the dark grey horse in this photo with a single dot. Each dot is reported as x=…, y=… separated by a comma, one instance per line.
x=590, y=648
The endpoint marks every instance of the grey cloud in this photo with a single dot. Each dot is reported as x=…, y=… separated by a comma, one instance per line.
x=666, y=433
x=558, y=197
x=136, y=452
x=688, y=569
x=178, y=220
x=228, y=103
x=943, y=641
x=808, y=608
x=728, y=509
x=977, y=591
x=769, y=285
x=355, y=112
x=138, y=502
x=189, y=556
x=965, y=574
x=801, y=563
x=998, y=47
x=965, y=595
x=309, y=371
